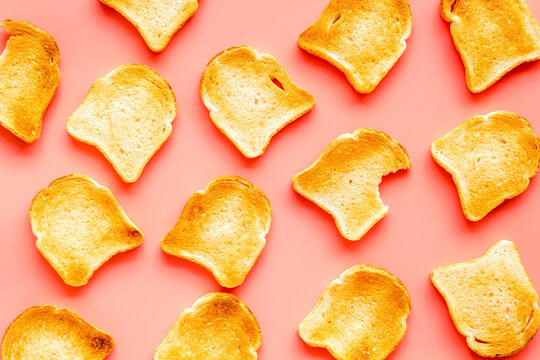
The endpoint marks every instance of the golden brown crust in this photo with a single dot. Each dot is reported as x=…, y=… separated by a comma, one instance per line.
x=492, y=37
x=29, y=76
x=45, y=332
x=344, y=180
x=361, y=315
x=363, y=39
x=491, y=301
x=219, y=326
x=491, y=159
x=127, y=115
x=79, y=225
x=156, y=20
x=223, y=229
x=250, y=97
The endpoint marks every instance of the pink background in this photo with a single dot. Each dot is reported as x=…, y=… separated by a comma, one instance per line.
x=137, y=295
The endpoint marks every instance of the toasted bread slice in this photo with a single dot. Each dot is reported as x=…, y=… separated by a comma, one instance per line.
x=29, y=77
x=222, y=228
x=45, y=332
x=251, y=97
x=491, y=158
x=491, y=301
x=345, y=179
x=492, y=37
x=79, y=225
x=361, y=315
x=219, y=326
x=156, y=20
x=127, y=115
x=363, y=39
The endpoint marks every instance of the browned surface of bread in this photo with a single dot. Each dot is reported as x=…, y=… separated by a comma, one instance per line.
x=250, y=97
x=491, y=301
x=156, y=20
x=361, y=315
x=79, y=225
x=345, y=179
x=492, y=37
x=491, y=158
x=47, y=333
x=29, y=77
x=219, y=326
x=127, y=115
x=222, y=228
x=363, y=39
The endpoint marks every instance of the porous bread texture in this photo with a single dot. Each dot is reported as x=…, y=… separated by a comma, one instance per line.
x=250, y=97
x=491, y=301
x=361, y=315
x=79, y=225
x=363, y=39
x=156, y=20
x=223, y=229
x=127, y=116
x=492, y=37
x=491, y=158
x=219, y=326
x=344, y=180
x=45, y=332
x=29, y=76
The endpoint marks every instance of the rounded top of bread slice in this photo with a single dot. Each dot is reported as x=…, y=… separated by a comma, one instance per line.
x=361, y=315
x=222, y=228
x=491, y=158
x=128, y=116
x=219, y=326
x=79, y=225
x=250, y=97
x=491, y=301
x=345, y=179
x=45, y=332
x=29, y=77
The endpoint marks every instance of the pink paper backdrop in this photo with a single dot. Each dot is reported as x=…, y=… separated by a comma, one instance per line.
x=137, y=295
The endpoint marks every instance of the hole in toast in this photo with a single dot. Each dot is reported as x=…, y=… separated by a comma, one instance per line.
x=277, y=83
x=480, y=341
x=335, y=20
x=453, y=6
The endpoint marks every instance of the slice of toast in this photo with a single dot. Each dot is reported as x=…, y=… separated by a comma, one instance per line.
x=156, y=20
x=250, y=97
x=45, y=332
x=363, y=39
x=345, y=179
x=361, y=315
x=79, y=225
x=223, y=229
x=219, y=326
x=29, y=76
x=491, y=158
x=492, y=37
x=127, y=115
x=491, y=301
